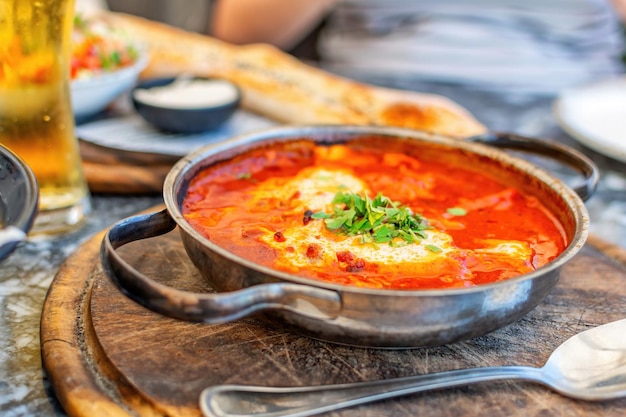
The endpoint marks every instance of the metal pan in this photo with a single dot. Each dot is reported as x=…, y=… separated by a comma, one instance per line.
x=19, y=201
x=343, y=314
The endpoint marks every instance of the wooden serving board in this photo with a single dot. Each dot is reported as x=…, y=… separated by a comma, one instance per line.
x=107, y=356
x=113, y=171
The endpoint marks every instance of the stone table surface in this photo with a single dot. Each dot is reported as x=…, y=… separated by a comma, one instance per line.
x=26, y=275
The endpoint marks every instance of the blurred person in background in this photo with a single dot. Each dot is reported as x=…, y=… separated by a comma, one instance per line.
x=191, y=15
x=88, y=7
x=536, y=46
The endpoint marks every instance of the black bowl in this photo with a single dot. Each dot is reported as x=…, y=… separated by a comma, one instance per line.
x=19, y=201
x=182, y=119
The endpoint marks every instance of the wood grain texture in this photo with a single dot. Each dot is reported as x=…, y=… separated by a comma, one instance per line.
x=101, y=349
x=113, y=171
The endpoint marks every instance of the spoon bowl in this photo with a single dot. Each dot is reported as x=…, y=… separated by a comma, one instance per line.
x=589, y=366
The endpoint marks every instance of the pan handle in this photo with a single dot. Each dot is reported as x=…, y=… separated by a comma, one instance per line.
x=557, y=151
x=203, y=307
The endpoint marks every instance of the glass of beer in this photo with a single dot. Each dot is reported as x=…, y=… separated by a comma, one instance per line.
x=36, y=117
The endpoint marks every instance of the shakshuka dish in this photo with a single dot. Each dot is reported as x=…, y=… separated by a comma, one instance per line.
x=373, y=218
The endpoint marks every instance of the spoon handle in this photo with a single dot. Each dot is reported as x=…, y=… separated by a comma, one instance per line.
x=242, y=400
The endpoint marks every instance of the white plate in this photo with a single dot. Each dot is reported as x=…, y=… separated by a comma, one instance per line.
x=595, y=115
x=130, y=132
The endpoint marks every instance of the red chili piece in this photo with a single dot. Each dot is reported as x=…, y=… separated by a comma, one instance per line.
x=279, y=237
x=307, y=217
x=351, y=262
x=313, y=251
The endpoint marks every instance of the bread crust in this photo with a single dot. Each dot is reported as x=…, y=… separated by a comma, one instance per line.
x=278, y=86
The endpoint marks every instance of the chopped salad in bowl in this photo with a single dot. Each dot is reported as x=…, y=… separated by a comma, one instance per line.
x=104, y=65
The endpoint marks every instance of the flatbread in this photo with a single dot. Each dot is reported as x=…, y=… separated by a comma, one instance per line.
x=279, y=86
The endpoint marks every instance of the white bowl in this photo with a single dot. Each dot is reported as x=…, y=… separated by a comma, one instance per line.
x=92, y=95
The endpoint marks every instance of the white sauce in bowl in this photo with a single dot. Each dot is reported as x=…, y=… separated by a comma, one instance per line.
x=189, y=94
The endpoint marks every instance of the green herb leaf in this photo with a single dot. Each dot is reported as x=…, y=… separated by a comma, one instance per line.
x=377, y=220
x=457, y=211
x=340, y=218
x=244, y=176
x=434, y=249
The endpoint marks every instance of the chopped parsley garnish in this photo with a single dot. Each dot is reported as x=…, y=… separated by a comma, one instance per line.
x=433, y=248
x=457, y=211
x=377, y=220
x=244, y=176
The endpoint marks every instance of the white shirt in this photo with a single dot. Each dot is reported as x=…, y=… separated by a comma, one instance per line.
x=535, y=46
x=88, y=7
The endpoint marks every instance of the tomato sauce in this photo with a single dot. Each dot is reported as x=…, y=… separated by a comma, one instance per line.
x=474, y=209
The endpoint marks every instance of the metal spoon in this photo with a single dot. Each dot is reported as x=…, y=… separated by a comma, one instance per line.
x=588, y=366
